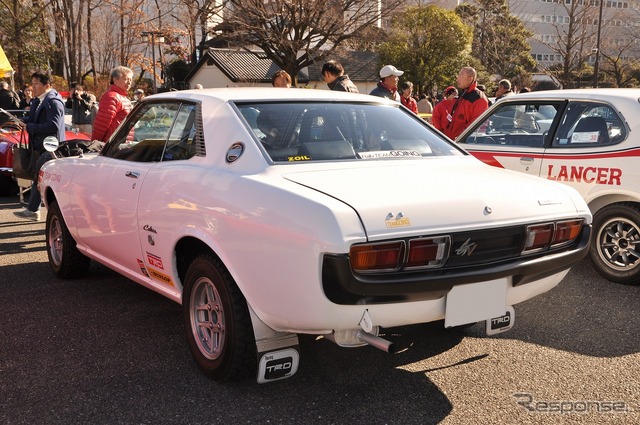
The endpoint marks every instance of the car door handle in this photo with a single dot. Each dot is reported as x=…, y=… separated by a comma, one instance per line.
x=526, y=160
x=132, y=174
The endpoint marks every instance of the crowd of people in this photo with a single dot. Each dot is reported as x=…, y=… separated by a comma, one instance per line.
x=456, y=106
x=451, y=112
x=44, y=108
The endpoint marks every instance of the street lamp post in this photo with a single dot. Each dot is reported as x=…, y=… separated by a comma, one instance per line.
x=153, y=36
x=596, y=65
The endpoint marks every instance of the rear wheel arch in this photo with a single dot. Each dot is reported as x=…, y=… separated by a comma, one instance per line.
x=604, y=201
x=188, y=249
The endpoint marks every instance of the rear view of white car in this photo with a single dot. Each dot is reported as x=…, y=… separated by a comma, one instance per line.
x=587, y=139
x=269, y=213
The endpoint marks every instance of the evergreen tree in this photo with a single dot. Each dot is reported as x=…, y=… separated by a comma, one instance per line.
x=499, y=38
x=430, y=44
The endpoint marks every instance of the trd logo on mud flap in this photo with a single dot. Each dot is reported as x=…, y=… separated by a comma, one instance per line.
x=278, y=368
x=501, y=322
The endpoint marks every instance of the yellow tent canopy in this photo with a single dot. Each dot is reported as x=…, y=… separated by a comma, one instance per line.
x=6, y=71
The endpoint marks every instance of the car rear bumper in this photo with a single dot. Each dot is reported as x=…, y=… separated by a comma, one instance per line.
x=342, y=286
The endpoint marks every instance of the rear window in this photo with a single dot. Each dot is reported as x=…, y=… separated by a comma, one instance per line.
x=293, y=132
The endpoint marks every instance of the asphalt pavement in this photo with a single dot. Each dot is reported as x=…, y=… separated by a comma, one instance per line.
x=104, y=350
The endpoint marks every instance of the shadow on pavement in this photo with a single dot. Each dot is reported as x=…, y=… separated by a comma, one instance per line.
x=584, y=314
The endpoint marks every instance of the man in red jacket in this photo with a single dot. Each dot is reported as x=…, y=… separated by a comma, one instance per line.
x=442, y=111
x=471, y=103
x=114, y=104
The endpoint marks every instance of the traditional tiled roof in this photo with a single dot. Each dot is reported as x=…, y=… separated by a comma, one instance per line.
x=245, y=66
x=359, y=66
x=242, y=66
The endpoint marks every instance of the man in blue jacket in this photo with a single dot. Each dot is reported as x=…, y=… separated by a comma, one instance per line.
x=46, y=118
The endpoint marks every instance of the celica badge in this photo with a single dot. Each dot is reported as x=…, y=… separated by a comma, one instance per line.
x=466, y=248
x=399, y=220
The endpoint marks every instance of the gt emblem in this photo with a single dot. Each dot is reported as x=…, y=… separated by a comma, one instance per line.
x=466, y=248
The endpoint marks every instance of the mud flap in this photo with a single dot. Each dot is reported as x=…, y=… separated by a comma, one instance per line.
x=502, y=323
x=279, y=364
x=278, y=352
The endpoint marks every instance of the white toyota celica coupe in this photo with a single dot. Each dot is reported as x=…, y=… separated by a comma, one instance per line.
x=269, y=212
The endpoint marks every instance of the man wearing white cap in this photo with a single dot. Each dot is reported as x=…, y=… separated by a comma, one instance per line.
x=388, y=84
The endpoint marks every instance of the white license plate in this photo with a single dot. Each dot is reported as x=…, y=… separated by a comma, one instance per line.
x=475, y=302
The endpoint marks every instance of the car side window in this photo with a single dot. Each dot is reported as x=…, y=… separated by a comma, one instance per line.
x=516, y=124
x=157, y=132
x=181, y=143
x=589, y=124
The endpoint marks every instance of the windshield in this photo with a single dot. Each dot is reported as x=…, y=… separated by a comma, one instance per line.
x=293, y=132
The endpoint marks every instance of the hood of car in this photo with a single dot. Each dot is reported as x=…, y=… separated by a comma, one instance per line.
x=416, y=197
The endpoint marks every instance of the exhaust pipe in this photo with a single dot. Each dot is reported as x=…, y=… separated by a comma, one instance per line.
x=376, y=341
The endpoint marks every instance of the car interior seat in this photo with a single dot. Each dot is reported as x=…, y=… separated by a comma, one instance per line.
x=321, y=125
x=322, y=135
x=594, y=124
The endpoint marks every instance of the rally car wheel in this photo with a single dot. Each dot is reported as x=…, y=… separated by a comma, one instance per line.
x=615, y=249
x=64, y=258
x=217, y=321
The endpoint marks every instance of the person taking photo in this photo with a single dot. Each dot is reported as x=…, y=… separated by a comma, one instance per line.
x=83, y=106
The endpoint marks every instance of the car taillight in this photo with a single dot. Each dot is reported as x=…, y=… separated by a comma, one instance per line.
x=538, y=237
x=566, y=232
x=427, y=252
x=434, y=251
x=391, y=256
x=377, y=256
x=551, y=235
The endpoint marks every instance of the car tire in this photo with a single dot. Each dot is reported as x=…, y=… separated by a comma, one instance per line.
x=8, y=186
x=64, y=258
x=615, y=247
x=217, y=322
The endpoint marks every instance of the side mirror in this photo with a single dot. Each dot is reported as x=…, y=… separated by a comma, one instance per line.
x=51, y=143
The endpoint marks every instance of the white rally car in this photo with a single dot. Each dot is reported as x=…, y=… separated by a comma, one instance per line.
x=271, y=212
x=588, y=139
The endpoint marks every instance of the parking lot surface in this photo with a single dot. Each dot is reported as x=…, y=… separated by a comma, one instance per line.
x=103, y=350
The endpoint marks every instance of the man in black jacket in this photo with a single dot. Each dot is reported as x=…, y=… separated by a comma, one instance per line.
x=333, y=74
x=8, y=98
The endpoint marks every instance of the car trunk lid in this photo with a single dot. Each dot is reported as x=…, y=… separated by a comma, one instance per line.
x=412, y=197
